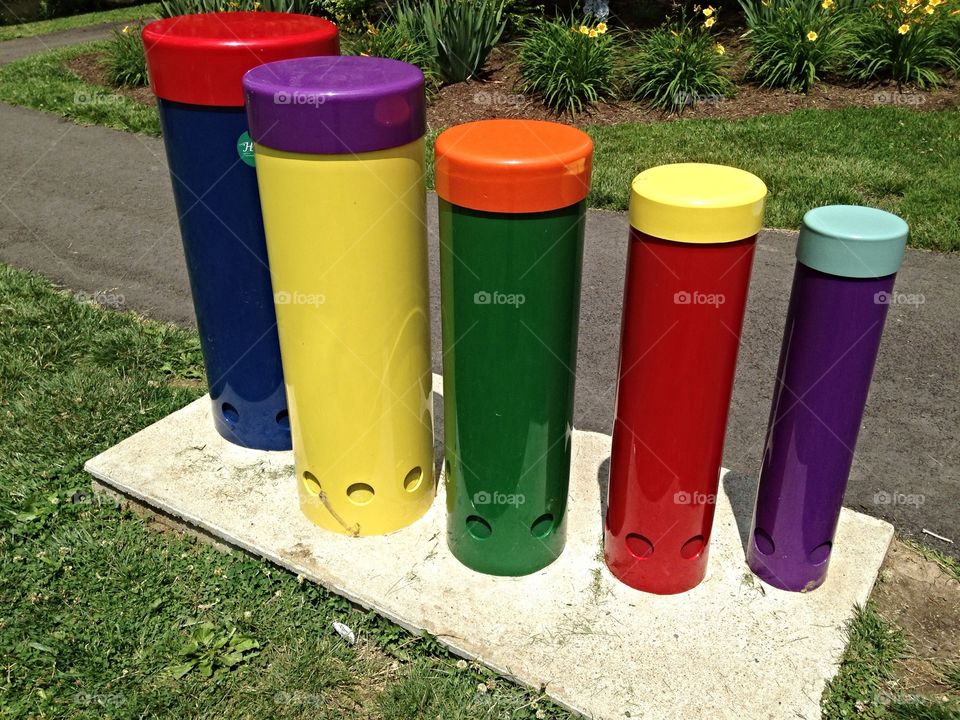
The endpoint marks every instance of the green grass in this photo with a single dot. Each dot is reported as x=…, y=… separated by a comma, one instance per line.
x=43, y=27
x=42, y=82
x=865, y=684
x=101, y=612
x=897, y=159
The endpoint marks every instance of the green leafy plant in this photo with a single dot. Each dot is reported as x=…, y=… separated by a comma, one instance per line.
x=793, y=42
x=170, y=8
x=907, y=41
x=395, y=41
x=570, y=65
x=125, y=60
x=680, y=63
x=521, y=15
x=461, y=33
x=458, y=34
x=211, y=651
x=348, y=14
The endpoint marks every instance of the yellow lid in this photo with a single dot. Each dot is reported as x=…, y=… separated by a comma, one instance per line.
x=697, y=203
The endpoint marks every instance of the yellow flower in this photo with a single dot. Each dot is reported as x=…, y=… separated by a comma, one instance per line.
x=930, y=10
x=708, y=11
x=719, y=49
x=584, y=30
x=593, y=33
x=904, y=29
x=602, y=28
x=709, y=22
x=812, y=36
x=827, y=4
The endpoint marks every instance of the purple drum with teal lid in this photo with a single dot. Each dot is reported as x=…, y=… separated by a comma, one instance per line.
x=335, y=105
x=847, y=260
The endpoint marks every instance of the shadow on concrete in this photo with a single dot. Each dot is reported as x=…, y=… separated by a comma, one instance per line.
x=603, y=480
x=741, y=491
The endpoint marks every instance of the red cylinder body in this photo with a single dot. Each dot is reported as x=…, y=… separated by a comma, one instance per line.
x=682, y=315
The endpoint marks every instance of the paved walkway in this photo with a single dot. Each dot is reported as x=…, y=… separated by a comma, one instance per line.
x=91, y=208
x=11, y=50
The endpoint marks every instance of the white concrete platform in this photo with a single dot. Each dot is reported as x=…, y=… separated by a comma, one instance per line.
x=731, y=648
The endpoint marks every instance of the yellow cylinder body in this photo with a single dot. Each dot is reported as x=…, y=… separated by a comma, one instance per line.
x=347, y=242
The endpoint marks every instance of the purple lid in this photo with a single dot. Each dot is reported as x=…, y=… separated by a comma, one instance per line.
x=335, y=105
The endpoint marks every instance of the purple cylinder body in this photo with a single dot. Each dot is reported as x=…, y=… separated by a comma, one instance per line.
x=830, y=344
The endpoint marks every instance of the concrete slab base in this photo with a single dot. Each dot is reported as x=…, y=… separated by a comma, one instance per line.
x=731, y=648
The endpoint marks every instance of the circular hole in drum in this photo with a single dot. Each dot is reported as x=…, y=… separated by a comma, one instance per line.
x=283, y=419
x=230, y=413
x=692, y=547
x=820, y=554
x=478, y=528
x=311, y=484
x=542, y=527
x=763, y=542
x=639, y=546
x=360, y=493
x=413, y=479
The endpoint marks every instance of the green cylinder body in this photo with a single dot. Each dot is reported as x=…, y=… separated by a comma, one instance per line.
x=510, y=289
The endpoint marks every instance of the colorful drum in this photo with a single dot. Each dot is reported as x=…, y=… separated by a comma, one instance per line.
x=340, y=162
x=196, y=63
x=847, y=260
x=693, y=229
x=512, y=210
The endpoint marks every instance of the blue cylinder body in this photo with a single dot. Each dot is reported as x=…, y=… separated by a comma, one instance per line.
x=218, y=204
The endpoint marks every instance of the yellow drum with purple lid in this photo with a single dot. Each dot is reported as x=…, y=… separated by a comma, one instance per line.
x=340, y=162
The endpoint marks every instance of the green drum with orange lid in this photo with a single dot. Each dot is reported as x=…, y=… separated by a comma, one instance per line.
x=512, y=211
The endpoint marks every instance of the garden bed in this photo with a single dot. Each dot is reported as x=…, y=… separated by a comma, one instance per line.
x=495, y=95
x=91, y=68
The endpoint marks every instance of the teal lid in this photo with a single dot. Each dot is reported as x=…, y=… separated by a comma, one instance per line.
x=852, y=241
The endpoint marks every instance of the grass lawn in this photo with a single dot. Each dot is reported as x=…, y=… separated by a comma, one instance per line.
x=106, y=615
x=42, y=27
x=41, y=82
x=898, y=159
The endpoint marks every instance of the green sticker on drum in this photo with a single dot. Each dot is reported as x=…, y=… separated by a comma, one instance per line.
x=245, y=148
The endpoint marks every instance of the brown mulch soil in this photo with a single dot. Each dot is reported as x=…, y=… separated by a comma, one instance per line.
x=922, y=599
x=90, y=68
x=496, y=96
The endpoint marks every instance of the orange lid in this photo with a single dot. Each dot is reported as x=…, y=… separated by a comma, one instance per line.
x=513, y=166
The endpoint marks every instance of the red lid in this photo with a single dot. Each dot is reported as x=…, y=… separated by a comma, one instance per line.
x=200, y=59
